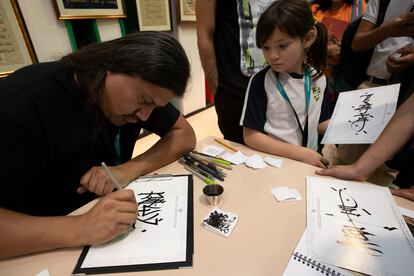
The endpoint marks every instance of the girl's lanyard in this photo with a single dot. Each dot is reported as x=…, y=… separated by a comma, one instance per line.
x=282, y=92
x=117, y=144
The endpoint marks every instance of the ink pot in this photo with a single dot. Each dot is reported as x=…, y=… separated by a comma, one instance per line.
x=213, y=193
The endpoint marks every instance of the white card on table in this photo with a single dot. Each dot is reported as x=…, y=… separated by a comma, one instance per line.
x=235, y=158
x=213, y=150
x=255, y=162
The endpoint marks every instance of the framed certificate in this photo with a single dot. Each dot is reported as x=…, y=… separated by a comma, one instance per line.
x=16, y=49
x=186, y=10
x=72, y=9
x=154, y=15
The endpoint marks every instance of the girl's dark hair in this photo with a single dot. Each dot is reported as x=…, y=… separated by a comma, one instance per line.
x=326, y=4
x=155, y=57
x=295, y=18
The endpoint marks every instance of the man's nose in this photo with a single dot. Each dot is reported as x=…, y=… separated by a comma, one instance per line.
x=144, y=112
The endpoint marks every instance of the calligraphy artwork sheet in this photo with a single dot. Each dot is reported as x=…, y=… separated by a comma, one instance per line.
x=357, y=226
x=361, y=115
x=162, y=236
x=301, y=264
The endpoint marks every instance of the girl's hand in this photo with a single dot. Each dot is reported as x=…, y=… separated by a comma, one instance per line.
x=97, y=181
x=110, y=217
x=313, y=158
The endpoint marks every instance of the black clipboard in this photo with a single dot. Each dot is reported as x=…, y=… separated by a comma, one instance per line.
x=153, y=266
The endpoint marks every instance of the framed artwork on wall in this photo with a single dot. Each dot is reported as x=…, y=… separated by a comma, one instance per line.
x=154, y=15
x=186, y=10
x=75, y=9
x=16, y=49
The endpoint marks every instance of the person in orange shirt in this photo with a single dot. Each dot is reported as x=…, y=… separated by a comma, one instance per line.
x=345, y=10
x=339, y=13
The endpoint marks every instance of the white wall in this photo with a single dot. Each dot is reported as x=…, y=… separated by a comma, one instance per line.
x=48, y=34
x=50, y=41
x=108, y=29
x=194, y=99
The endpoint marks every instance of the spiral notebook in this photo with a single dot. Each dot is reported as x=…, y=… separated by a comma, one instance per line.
x=301, y=264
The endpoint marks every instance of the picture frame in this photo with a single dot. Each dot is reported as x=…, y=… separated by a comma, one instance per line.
x=16, y=49
x=186, y=11
x=154, y=15
x=70, y=9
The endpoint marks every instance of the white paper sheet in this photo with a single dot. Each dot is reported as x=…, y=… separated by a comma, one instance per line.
x=301, y=264
x=274, y=162
x=213, y=150
x=360, y=116
x=357, y=226
x=255, y=162
x=44, y=272
x=235, y=158
x=285, y=194
x=161, y=227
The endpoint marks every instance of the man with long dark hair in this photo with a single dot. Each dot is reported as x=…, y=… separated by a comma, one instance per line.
x=60, y=120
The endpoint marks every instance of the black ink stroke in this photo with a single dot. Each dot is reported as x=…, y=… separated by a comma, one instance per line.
x=149, y=207
x=362, y=116
x=356, y=237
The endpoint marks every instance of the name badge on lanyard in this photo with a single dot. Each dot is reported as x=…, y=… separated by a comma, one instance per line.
x=307, y=88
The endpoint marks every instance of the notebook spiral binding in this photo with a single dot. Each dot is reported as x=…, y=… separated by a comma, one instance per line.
x=315, y=265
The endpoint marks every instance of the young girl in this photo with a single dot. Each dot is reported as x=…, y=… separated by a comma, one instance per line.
x=282, y=109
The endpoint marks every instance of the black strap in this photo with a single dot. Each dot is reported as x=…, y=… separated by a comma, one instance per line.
x=383, y=6
x=304, y=130
x=282, y=92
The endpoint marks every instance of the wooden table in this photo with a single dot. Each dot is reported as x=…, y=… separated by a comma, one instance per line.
x=261, y=243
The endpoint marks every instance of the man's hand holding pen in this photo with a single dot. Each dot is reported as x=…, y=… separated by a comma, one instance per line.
x=111, y=216
x=114, y=213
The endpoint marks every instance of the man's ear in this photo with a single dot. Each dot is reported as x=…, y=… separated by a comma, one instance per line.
x=310, y=38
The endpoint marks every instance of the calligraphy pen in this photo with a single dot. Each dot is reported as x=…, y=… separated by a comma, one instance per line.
x=210, y=160
x=118, y=186
x=206, y=179
x=203, y=167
